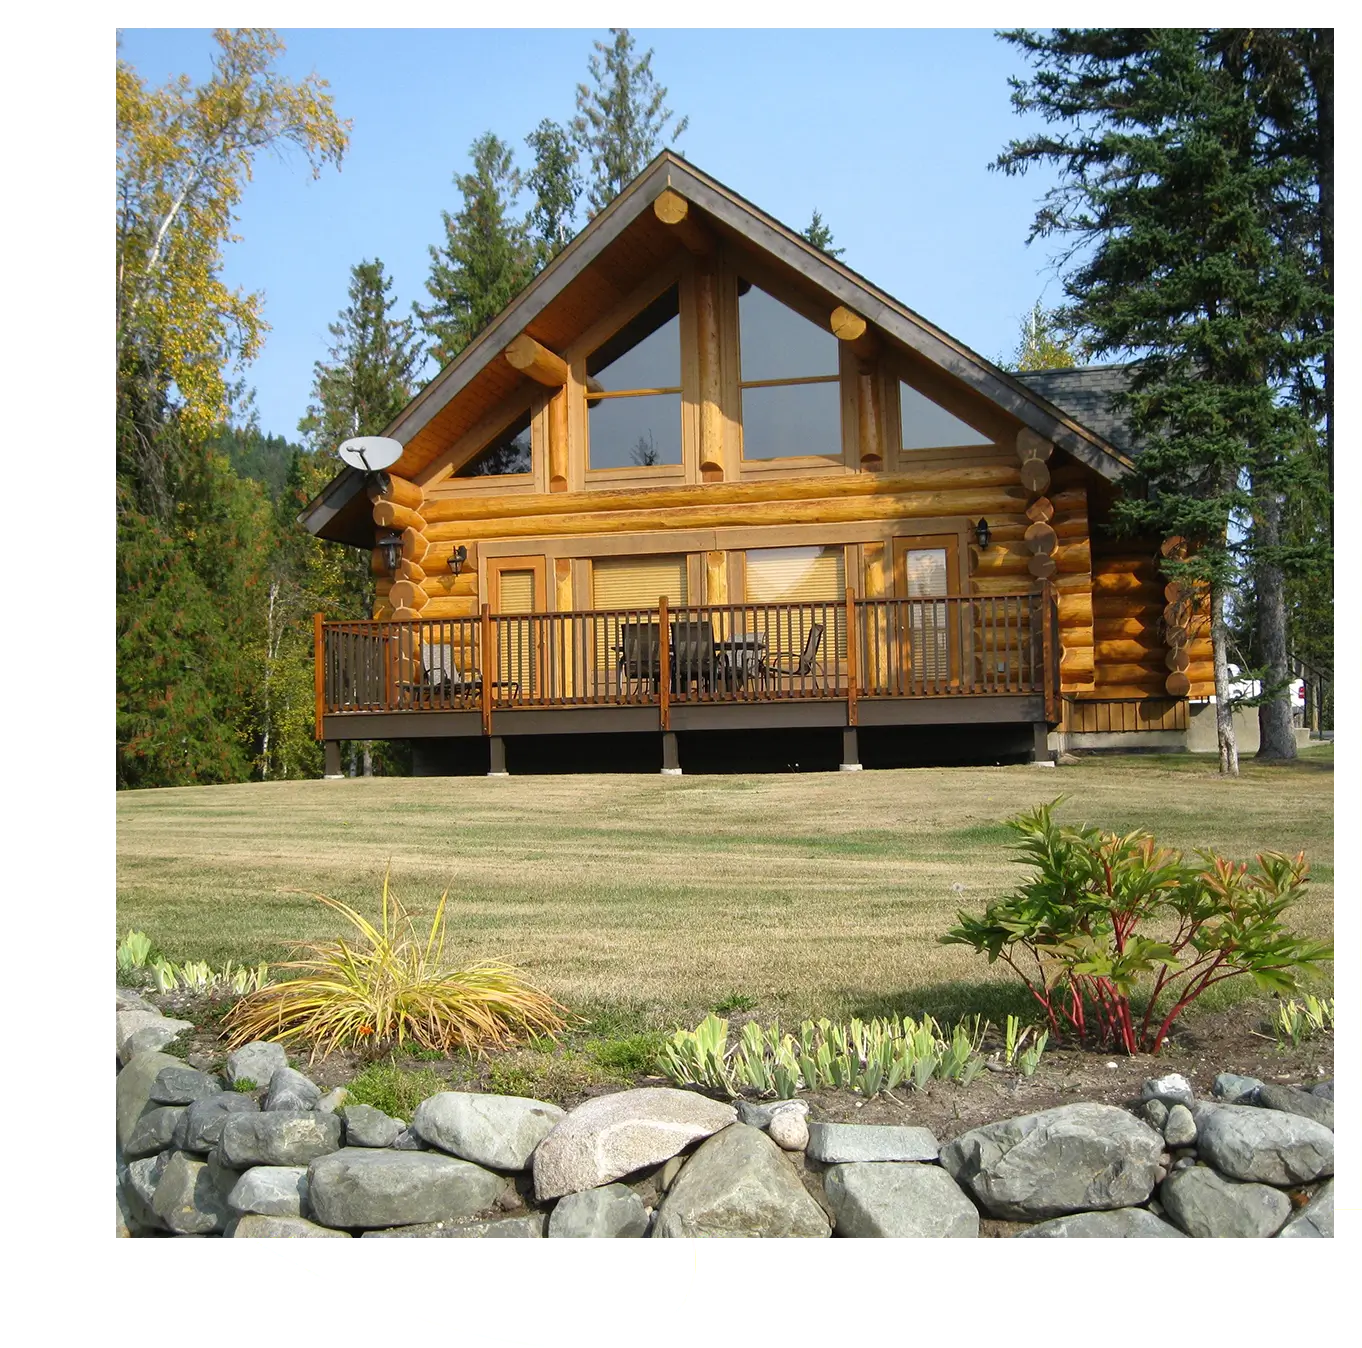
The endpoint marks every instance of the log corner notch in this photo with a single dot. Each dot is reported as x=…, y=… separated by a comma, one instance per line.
x=673, y=210
x=397, y=508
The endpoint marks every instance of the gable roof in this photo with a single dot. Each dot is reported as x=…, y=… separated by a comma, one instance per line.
x=626, y=243
x=1086, y=393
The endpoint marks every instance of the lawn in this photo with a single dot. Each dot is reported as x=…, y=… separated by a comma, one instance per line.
x=807, y=893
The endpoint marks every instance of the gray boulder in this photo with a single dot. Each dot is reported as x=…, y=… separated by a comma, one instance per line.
x=501, y=1131
x=1179, y=1129
x=788, y=1130
x=898, y=1199
x=1172, y=1089
x=187, y=1200
x=1206, y=1205
x=407, y=1140
x=365, y=1187
x=201, y=1127
x=153, y=1037
x=1074, y=1158
x=1120, y=1224
x=739, y=1183
x=1290, y=1100
x=1265, y=1145
x=366, y=1126
x=154, y=1131
x=126, y=999
x=132, y=1090
x=139, y=1180
x=1325, y=1090
x=281, y=1137
x=759, y=1113
x=614, y=1210
x=271, y=1190
x=182, y=1085
x=1316, y=1218
x=1236, y=1090
x=131, y=1020
x=257, y=1061
x=835, y=1143
x=256, y=1225
x=1156, y=1113
x=292, y=1091
x=529, y=1225
x=614, y=1135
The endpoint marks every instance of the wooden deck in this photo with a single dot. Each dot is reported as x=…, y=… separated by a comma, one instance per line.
x=955, y=659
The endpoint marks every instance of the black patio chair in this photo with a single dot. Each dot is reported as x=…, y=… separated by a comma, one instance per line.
x=802, y=667
x=639, y=653
x=693, y=656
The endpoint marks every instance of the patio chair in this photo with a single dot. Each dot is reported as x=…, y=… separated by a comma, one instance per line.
x=801, y=667
x=639, y=652
x=693, y=657
x=441, y=679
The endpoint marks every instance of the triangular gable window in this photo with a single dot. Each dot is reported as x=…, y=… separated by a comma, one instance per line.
x=507, y=455
x=925, y=425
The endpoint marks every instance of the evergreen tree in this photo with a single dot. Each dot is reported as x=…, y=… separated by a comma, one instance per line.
x=621, y=121
x=1167, y=194
x=818, y=234
x=373, y=366
x=1043, y=345
x=486, y=258
x=557, y=187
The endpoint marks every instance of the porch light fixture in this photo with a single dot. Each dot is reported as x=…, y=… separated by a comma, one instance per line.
x=982, y=535
x=391, y=544
x=457, y=558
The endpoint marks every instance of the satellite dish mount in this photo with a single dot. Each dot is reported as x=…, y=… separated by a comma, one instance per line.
x=370, y=453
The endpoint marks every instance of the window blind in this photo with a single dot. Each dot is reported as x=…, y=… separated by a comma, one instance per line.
x=517, y=592
x=787, y=575
x=637, y=582
x=928, y=624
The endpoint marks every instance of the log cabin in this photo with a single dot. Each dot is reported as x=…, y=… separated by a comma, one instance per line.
x=701, y=477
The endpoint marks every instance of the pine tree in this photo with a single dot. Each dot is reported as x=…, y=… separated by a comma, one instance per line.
x=818, y=234
x=1168, y=197
x=557, y=187
x=486, y=258
x=1043, y=345
x=621, y=122
x=373, y=366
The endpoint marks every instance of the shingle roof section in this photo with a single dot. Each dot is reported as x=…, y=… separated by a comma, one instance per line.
x=1085, y=393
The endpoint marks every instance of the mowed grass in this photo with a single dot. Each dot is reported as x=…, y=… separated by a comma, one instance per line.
x=811, y=893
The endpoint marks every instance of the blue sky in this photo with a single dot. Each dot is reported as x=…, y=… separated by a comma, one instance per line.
x=887, y=133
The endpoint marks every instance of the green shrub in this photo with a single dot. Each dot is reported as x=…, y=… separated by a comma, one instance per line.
x=635, y=1056
x=244, y=1085
x=1075, y=931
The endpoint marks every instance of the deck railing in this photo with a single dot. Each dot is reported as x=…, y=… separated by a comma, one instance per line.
x=947, y=646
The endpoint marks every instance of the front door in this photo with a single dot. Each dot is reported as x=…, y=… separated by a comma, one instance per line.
x=516, y=589
x=927, y=626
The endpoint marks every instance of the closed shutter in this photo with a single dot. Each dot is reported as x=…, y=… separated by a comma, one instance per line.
x=517, y=592
x=790, y=575
x=637, y=582
x=516, y=662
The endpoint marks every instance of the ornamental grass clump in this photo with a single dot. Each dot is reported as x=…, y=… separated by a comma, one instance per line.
x=1106, y=920
x=390, y=986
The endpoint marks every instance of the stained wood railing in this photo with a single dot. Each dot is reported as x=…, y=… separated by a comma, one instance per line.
x=852, y=649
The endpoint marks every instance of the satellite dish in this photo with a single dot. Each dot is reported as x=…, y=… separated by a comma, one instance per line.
x=370, y=453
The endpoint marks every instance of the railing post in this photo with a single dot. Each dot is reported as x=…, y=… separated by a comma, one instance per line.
x=664, y=665
x=1047, y=599
x=852, y=643
x=487, y=671
x=318, y=672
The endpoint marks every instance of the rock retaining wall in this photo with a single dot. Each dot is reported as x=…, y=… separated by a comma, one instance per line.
x=198, y=1157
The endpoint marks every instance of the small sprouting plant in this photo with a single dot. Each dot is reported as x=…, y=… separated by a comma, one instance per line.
x=735, y=1001
x=134, y=953
x=1295, y=1021
x=244, y=1085
x=634, y=1056
x=1030, y=1058
x=1074, y=931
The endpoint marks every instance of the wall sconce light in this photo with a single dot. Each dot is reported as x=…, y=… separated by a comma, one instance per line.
x=982, y=535
x=457, y=558
x=391, y=545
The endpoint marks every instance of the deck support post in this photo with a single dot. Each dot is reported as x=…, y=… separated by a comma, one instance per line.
x=496, y=757
x=331, y=771
x=671, y=760
x=1040, y=748
x=851, y=758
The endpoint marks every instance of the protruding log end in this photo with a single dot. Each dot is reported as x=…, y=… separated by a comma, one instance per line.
x=1041, y=511
x=1041, y=538
x=1041, y=566
x=537, y=361
x=1178, y=685
x=1173, y=547
x=673, y=210
x=1033, y=447
x=671, y=207
x=1178, y=660
x=1035, y=477
x=847, y=325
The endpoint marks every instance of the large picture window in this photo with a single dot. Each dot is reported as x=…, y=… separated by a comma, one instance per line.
x=791, y=402
x=925, y=425
x=507, y=455
x=633, y=395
